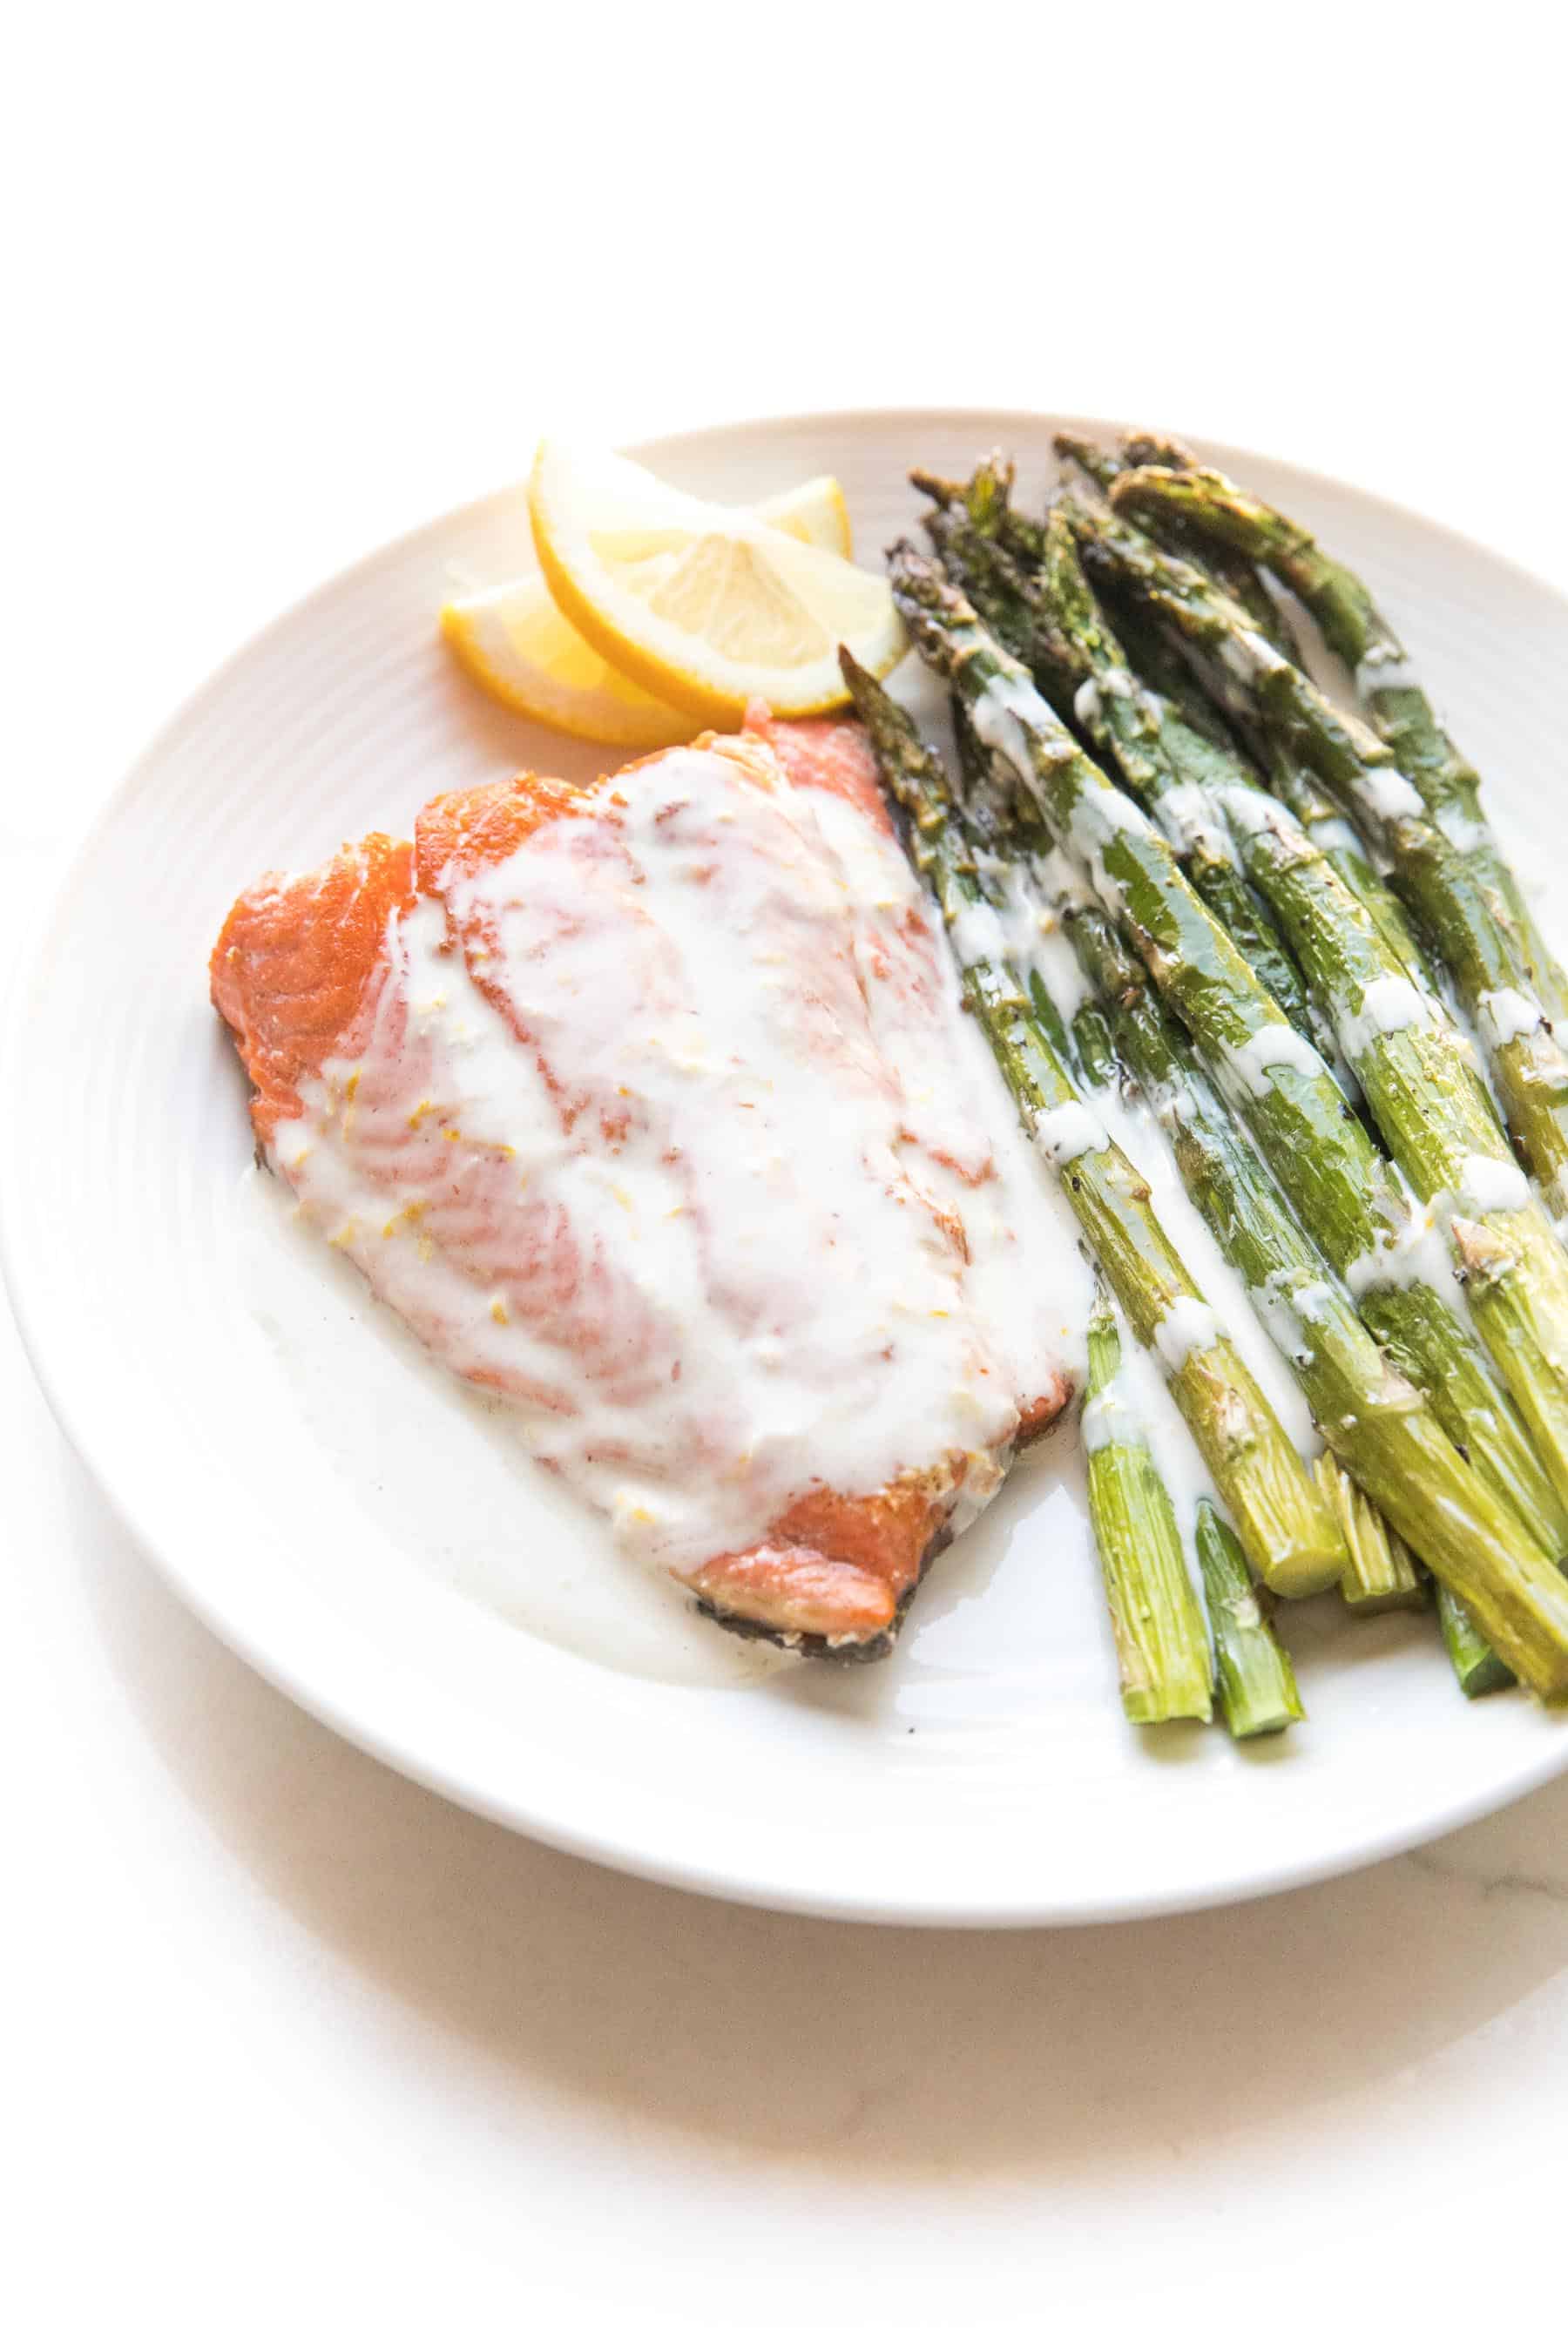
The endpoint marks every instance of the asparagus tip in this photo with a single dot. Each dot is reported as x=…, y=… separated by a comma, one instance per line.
x=856, y=678
x=938, y=486
x=1158, y=449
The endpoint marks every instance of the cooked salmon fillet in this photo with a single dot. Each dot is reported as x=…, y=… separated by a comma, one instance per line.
x=640, y=1103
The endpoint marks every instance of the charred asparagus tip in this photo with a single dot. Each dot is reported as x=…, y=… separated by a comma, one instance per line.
x=946, y=492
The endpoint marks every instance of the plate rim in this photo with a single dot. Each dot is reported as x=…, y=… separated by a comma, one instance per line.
x=602, y=1846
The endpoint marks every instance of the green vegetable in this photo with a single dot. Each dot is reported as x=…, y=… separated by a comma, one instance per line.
x=1256, y=1684
x=1416, y=1071
x=1348, y=1198
x=1162, y=1647
x=1287, y=1535
x=1318, y=1151
x=1425, y=821
x=1383, y=1572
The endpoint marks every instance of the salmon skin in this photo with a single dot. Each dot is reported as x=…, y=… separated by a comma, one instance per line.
x=648, y=1107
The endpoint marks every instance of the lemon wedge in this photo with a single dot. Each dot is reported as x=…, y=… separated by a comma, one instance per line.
x=814, y=511
x=703, y=606
x=515, y=642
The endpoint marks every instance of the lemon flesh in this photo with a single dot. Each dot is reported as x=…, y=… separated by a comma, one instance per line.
x=515, y=642
x=705, y=607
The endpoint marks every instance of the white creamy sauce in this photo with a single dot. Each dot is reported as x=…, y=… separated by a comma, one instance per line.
x=1421, y=1253
x=443, y=1473
x=1111, y=1417
x=979, y=936
x=1137, y=1402
x=1001, y=717
x=1135, y=1127
x=1065, y=889
x=1467, y=833
x=1275, y=1046
x=1285, y=1311
x=1390, y=794
x=1332, y=832
x=1114, y=684
x=1191, y=817
x=1100, y=812
x=1466, y=1034
x=1424, y=1253
x=1255, y=812
x=1062, y=881
x=1170, y=1103
x=1251, y=813
x=1051, y=956
x=1025, y=1273
x=1187, y=1328
x=1032, y=928
x=1505, y=1013
x=1227, y=1306
x=1247, y=654
x=1486, y=1184
x=1388, y=1004
x=1280, y=1314
x=788, y=1234
x=1066, y=1133
x=1376, y=676
x=1136, y=1407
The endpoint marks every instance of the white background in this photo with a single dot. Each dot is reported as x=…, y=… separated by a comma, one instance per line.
x=298, y=2054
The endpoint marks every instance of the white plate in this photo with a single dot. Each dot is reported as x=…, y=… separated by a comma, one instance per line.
x=982, y=1776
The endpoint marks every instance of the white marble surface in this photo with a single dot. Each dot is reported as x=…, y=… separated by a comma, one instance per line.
x=296, y=2051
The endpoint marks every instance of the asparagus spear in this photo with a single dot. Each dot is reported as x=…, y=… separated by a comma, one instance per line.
x=1099, y=464
x=1219, y=770
x=1367, y=1409
x=1169, y=485
x=1369, y=1414
x=1093, y=1047
x=1162, y=1648
x=1148, y=743
x=1201, y=753
x=1287, y=1535
x=981, y=513
x=1148, y=448
x=1157, y=1056
x=1383, y=1572
x=1209, y=754
x=1257, y=1690
x=1167, y=745
x=1385, y=1576
x=1351, y=1388
x=1087, y=667
x=1454, y=895
x=1239, y=578
x=1282, y=1085
x=1199, y=741
x=1411, y=1064
x=993, y=579
x=1349, y=1198
x=1477, y=1665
